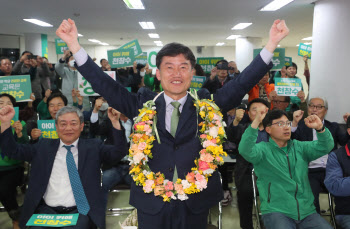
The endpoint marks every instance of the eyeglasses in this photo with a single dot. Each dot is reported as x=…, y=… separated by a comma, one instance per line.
x=278, y=102
x=283, y=124
x=317, y=107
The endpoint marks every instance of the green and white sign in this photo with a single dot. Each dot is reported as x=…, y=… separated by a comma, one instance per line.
x=53, y=220
x=17, y=86
x=84, y=86
x=208, y=63
x=60, y=46
x=152, y=59
x=44, y=48
x=304, y=50
x=121, y=58
x=132, y=45
x=278, y=60
x=288, y=61
x=288, y=86
x=142, y=58
x=48, y=129
x=197, y=82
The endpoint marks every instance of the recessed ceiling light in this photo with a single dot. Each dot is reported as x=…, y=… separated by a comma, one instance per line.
x=103, y=43
x=307, y=39
x=134, y=4
x=220, y=44
x=153, y=35
x=79, y=35
x=159, y=45
x=38, y=22
x=147, y=25
x=158, y=42
x=275, y=5
x=94, y=40
x=232, y=37
x=308, y=43
x=241, y=26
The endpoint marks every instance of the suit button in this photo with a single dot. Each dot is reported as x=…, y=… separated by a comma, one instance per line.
x=171, y=169
x=176, y=147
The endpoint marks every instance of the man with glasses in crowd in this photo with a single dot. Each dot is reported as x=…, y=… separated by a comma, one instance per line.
x=300, y=131
x=282, y=102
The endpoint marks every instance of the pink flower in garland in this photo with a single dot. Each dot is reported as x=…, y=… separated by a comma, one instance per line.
x=207, y=157
x=169, y=186
x=199, y=177
x=169, y=194
x=179, y=189
x=204, y=136
x=142, y=146
x=190, y=177
x=202, y=166
x=148, y=187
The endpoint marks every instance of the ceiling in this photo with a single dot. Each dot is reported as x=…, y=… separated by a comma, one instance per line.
x=191, y=22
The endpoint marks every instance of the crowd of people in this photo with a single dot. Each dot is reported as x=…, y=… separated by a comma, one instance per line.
x=295, y=151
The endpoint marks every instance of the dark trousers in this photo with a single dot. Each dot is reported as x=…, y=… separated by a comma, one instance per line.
x=245, y=198
x=174, y=215
x=84, y=221
x=316, y=179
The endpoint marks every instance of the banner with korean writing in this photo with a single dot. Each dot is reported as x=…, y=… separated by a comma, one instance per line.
x=197, y=82
x=288, y=86
x=17, y=86
x=142, y=58
x=134, y=45
x=84, y=86
x=208, y=63
x=48, y=129
x=278, y=60
x=288, y=61
x=60, y=46
x=304, y=50
x=53, y=220
x=118, y=58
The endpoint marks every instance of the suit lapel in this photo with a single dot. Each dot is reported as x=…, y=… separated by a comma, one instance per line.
x=81, y=155
x=161, y=110
x=187, y=111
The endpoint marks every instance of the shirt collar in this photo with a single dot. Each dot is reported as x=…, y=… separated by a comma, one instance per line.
x=74, y=143
x=168, y=100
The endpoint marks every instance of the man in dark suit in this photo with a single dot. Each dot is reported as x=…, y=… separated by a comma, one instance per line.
x=177, y=152
x=317, y=168
x=56, y=185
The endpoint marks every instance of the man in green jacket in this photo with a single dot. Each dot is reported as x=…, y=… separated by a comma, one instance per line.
x=281, y=166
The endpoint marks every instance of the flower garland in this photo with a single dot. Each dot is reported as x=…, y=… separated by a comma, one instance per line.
x=145, y=132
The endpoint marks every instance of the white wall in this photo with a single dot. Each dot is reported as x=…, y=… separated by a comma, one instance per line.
x=9, y=41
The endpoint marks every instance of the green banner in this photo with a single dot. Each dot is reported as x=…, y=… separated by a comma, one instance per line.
x=304, y=50
x=60, y=46
x=278, y=60
x=288, y=86
x=44, y=48
x=118, y=58
x=85, y=87
x=17, y=86
x=48, y=129
x=132, y=45
x=142, y=58
x=150, y=62
x=208, y=63
x=288, y=61
x=197, y=82
x=53, y=220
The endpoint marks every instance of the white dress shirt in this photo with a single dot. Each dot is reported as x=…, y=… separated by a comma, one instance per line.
x=59, y=190
x=169, y=109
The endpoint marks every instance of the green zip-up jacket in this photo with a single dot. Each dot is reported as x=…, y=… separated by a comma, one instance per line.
x=282, y=173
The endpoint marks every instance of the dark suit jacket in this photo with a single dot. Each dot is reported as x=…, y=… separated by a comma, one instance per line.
x=184, y=148
x=304, y=133
x=91, y=153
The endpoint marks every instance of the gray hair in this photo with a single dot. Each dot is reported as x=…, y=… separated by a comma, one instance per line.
x=69, y=109
x=325, y=101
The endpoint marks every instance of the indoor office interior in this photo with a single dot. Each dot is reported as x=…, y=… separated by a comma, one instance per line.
x=230, y=29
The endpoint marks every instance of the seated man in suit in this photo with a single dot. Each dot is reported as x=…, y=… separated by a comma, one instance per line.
x=338, y=181
x=56, y=185
x=317, y=168
x=178, y=143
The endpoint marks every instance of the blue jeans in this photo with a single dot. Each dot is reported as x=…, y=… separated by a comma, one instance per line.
x=343, y=221
x=114, y=176
x=278, y=220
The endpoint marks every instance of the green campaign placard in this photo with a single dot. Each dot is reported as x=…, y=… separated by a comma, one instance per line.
x=288, y=61
x=128, y=88
x=142, y=58
x=134, y=45
x=288, y=86
x=60, y=46
x=53, y=220
x=197, y=82
x=278, y=60
x=17, y=86
x=208, y=63
x=304, y=50
x=48, y=129
x=150, y=58
x=85, y=87
x=121, y=58
x=44, y=48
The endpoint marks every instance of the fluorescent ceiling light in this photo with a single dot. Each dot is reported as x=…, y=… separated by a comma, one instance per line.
x=147, y=25
x=297, y=45
x=103, y=43
x=307, y=39
x=134, y=4
x=158, y=42
x=232, y=37
x=241, y=26
x=94, y=40
x=308, y=43
x=275, y=5
x=153, y=35
x=79, y=35
x=220, y=44
x=38, y=22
